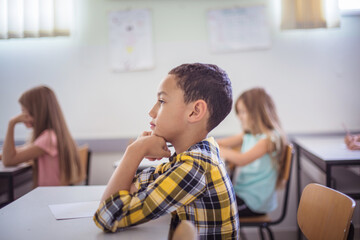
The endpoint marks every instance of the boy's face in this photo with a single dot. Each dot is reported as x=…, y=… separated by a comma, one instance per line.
x=169, y=114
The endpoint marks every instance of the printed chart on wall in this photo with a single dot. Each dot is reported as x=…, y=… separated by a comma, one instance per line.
x=240, y=28
x=131, y=40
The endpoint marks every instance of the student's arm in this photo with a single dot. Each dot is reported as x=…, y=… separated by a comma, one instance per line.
x=133, y=189
x=242, y=159
x=231, y=142
x=12, y=155
x=145, y=146
x=352, y=142
x=178, y=186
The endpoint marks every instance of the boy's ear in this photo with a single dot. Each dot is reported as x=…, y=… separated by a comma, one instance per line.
x=199, y=109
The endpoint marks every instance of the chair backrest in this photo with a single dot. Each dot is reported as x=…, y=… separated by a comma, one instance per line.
x=285, y=180
x=84, y=154
x=185, y=231
x=264, y=222
x=286, y=169
x=324, y=213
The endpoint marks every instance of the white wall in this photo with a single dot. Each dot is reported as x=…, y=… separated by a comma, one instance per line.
x=313, y=75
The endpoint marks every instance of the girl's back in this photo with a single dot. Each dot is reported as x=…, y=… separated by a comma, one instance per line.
x=55, y=155
x=262, y=148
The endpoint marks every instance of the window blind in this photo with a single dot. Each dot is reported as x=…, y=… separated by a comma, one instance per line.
x=302, y=14
x=35, y=18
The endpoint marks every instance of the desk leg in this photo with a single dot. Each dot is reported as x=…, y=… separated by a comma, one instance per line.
x=11, y=189
x=298, y=176
x=328, y=176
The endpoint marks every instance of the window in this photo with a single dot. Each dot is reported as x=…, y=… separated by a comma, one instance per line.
x=303, y=14
x=349, y=7
x=35, y=18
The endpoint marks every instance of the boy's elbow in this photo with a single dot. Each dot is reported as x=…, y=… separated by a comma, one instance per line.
x=110, y=220
x=108, y=227
x=107, y=222
x=104, y=226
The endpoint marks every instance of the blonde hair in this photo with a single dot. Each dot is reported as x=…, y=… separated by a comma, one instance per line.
x=263, y=118
x=43, y=106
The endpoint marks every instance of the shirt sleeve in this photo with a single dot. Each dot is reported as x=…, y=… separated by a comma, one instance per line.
x=178, y=186
x=47, y=141
x=149, y=175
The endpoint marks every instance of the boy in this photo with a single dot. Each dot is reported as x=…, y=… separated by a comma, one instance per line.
x=192, y=100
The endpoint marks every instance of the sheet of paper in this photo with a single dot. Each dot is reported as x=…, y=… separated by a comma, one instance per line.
x=238, y=28
x=131, y=40
x=74, y=210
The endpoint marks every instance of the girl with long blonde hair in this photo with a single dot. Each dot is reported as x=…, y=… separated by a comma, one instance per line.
x=55, y=154
x=259, y=162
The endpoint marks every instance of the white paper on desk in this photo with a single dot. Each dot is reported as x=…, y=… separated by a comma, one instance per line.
x=74, y=210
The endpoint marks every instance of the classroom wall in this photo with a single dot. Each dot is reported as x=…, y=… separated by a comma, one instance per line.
x=313, y=75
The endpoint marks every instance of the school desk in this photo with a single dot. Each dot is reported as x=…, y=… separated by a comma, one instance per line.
x=30, y=217
x=10, y=175
x=328, y=154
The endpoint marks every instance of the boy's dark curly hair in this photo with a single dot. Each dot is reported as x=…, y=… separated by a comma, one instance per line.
x=209, y=83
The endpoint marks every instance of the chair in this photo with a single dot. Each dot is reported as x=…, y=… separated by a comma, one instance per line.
x=324, y=213
x=84, y=153
x=185, y=231
x=265, y=221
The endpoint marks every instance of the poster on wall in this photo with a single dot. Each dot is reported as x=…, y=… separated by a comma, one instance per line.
x=131, y=40
x=240, y=28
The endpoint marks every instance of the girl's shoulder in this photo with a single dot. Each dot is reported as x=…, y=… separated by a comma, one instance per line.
x=48, y=142
x=48, y=135
x=48, y=131
x=257, y=136
x=276, y=139
x=274, y=135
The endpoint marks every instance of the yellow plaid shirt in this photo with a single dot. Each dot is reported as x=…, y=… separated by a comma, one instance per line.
x=193, y=185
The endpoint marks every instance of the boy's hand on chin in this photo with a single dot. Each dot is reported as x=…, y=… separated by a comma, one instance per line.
x=154, y=146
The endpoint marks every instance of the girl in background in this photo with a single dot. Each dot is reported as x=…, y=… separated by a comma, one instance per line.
x=55, y=154
x=262, y=148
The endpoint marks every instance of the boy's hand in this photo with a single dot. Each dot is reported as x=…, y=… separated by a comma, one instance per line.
x=147, y=145
x=154, y=147
x=133, y=189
